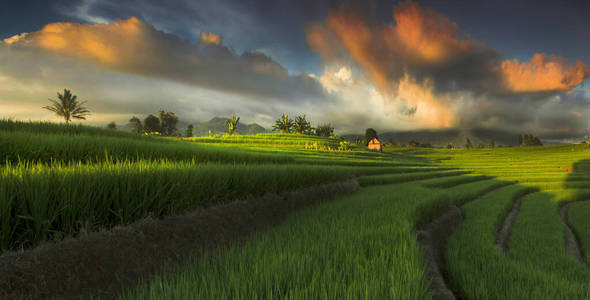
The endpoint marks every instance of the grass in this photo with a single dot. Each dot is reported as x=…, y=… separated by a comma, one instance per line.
x=361, y=246
x=59, y=180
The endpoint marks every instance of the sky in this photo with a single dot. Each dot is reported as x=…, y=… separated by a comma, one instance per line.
x=391, y=65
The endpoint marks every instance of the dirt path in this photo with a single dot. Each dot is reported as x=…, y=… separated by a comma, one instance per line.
x=102, y=264
x=571, y=242
x=433, y=239
x=507, y=224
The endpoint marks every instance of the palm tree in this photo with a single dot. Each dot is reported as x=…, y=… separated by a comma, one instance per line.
x=232, y=125
x=68, y=107
x=284, y=124
x=302, y=126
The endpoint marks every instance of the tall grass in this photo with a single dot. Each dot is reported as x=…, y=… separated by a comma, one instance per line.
x=18, y=146
x=62, y=128
x=40, y=203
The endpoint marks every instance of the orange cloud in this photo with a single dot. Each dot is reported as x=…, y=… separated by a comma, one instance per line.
x=543, y=74
x=426, y=46
x=210, y=38
x=133, y=46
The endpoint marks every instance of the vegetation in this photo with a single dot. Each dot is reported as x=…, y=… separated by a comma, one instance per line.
x=370, y=134
x=232, y=124
x=112, y=125
x=283, y=124
x=68, y=107
x=528, y=140
x=325, y=130
x=301, y=125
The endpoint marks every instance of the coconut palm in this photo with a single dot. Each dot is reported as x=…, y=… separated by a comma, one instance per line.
x=232, y=125
x=284, y=124
x=68, y=107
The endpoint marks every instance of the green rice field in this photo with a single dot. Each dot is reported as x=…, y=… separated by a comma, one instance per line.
x=523, y=230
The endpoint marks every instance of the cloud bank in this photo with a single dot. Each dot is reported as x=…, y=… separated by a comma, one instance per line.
x=135, y=47
x=423, y=66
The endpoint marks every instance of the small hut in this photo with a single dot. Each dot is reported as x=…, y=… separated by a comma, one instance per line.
x=375, y=145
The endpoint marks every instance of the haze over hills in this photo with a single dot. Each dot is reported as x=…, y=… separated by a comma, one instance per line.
x=456, y=137
x=217, y=125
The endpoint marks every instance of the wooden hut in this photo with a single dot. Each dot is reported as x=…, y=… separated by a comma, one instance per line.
x=375, y=145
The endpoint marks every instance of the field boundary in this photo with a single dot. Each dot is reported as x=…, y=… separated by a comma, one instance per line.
x=103, y=264
x=572, y=243
x=433, y=238
x=507, y=224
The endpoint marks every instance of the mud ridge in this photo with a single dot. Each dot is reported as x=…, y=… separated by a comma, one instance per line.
x=433, y=239
x=103, y=264
x=571, y=242
x=507, y=224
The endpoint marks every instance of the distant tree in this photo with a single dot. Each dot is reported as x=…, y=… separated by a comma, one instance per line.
x=168, y=121
x=136, y=125
x=189, y=130
x=151, y=124
x=520, y=139
x=112, y=125
x=232, y=125
x=283, y=124
x=450, y=146
x=492, y=144
x=480, y=146
x=414, y=144
x=537, y=142
x=325, y=130
x=370, y=133
x=468, y=144
x=68, y=107
x=301, y=125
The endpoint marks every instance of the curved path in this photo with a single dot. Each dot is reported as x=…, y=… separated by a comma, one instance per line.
x=507, y=224
x=433, y=239
x=572, y=244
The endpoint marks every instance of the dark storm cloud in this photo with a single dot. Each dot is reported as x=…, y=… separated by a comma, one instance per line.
x=136, y=47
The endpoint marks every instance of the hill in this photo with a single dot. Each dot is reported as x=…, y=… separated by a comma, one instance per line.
x=441, y=138
x=217, y=125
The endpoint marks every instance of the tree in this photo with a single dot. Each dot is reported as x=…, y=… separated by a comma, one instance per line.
x=232, y=125
x=468, y=144
x=189, y=130
x=284, y=124
x=480, y=146
x=112, y=125
x=68, y=107
x=325, y=130
x=301, y=125
x=136, y=125
x=520, y=140
x=450, y=146
x=151, y=124
x=537, y=142
x=370, y=133
x=168, y=121
x=492, y=144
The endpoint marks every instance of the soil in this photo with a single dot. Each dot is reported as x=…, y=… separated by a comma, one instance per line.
x=571, y=242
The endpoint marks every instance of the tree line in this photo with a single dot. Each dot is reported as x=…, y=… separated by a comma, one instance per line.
x=528, y=140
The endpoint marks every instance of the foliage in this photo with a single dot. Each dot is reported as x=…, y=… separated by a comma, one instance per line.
x=468, y=144
x=232, y=124
x=68, y=107
x=325, y=130
x=529, y=140
x=301, y=125
x=112, y=125
x=136, y=126
x=168, y=121
x=370, y=133
x=151, y=124
x=283, y=124
x=189, y=130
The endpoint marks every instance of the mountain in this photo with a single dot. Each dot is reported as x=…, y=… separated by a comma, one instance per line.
x=443, y=137
x=217, y=125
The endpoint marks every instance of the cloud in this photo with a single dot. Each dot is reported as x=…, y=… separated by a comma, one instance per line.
x=431, y=76
x=543, y=74
x=135, y=47
x=426, y=46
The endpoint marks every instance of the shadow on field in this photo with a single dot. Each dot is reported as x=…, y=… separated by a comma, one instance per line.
x=103, y=264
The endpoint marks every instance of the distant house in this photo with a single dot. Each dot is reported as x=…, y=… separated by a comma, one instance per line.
x=375, y=145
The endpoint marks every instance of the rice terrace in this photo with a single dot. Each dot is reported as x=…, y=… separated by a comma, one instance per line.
x=295, y=150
